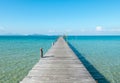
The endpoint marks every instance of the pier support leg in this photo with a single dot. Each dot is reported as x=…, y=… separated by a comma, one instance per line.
x=96, y=81
x=52, y=43
x=41, y=52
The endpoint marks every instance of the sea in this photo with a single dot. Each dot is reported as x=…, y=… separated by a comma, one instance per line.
x=99, y=54
x=18, y=54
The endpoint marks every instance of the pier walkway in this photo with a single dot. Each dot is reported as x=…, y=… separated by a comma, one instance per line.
x=59, y=65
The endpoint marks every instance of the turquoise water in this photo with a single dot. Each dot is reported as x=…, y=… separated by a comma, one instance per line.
x=18, y=54
x=100, y=54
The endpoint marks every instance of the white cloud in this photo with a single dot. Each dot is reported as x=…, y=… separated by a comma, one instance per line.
x=114, y=30
x=99, y=28
x=111, y=30
x=2, y=28
x=68, y=30
x=82, y=30
x=51, y=31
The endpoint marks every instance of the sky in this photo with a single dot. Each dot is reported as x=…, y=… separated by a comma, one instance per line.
x=55, y=17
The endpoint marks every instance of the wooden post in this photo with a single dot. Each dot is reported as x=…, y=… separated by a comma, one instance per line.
x=96, y=81
x=41, y=52
x=52, y=43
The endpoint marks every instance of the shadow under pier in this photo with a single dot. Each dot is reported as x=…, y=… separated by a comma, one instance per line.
x=92, y=70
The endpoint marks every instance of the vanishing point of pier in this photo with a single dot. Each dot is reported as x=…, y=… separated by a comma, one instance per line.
x=59, y=65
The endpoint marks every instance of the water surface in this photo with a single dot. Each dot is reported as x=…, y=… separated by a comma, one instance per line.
x=18, y=54
x=102, y=52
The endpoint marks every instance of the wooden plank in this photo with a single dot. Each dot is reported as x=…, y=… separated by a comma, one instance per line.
x=59, y=65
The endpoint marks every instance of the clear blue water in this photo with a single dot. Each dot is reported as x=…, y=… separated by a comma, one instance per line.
x=100, y=54
x=18, y=54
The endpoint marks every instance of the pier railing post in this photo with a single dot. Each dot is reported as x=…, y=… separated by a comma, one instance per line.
x=41, y=52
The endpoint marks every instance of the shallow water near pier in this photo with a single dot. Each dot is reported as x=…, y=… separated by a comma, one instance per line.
x=18, y=54
x=103, y=53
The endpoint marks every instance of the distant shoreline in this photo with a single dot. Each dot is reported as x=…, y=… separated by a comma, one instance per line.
x=60, y=35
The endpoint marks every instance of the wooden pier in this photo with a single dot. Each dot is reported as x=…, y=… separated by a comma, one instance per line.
x=59, y=65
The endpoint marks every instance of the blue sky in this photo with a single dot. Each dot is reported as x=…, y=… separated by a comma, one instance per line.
x=77, y=17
